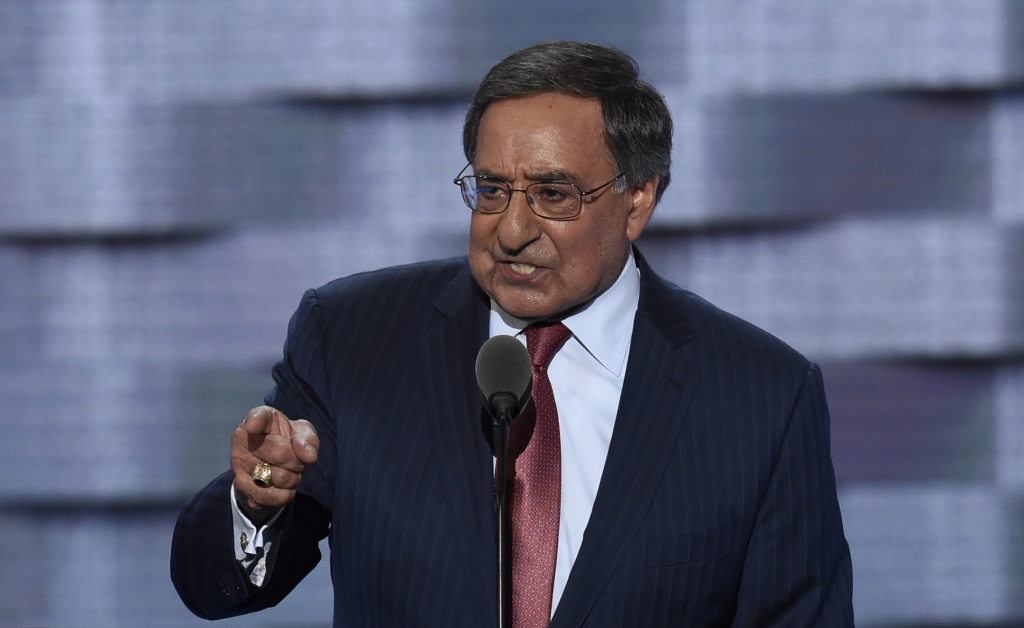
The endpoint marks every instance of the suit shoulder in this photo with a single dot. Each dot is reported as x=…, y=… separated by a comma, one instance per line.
x=721, y=331
x=434, y=272
x=403, y=289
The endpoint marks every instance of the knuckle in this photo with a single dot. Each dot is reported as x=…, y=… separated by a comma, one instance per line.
x=279, y=457
x=291, y=479
x=238, y=458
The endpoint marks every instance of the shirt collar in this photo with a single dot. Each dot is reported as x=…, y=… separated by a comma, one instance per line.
x=604, y=327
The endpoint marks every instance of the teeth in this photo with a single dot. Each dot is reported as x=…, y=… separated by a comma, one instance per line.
x=524, y=269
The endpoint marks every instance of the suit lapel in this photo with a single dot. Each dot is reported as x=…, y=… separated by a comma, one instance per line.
x=661, y=378
x=453, y=410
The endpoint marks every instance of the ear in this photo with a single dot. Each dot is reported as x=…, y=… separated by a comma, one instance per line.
x=643, y=198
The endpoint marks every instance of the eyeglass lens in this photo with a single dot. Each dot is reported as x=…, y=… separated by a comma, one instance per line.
x=556, y=200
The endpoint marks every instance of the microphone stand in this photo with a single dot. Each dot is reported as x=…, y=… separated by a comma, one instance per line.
x=500, y=423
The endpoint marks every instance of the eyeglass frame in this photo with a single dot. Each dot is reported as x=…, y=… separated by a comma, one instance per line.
x=583, y=195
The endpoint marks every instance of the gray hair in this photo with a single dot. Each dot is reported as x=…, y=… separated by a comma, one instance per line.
x=637, y=123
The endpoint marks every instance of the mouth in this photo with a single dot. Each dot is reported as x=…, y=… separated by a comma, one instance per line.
x=523, y=269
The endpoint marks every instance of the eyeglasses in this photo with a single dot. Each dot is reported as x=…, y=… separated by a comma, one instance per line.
x=547, y=199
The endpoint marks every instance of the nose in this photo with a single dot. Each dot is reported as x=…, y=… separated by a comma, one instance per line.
x=518, y=226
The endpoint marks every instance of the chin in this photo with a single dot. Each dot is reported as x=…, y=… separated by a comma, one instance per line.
x=519, y=311
x=523, y=308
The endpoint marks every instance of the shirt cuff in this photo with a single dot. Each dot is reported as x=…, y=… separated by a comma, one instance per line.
x=251, y=544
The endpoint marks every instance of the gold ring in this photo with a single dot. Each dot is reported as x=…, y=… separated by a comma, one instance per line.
x=261, y=475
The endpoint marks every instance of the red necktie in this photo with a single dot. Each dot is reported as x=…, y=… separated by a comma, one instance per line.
x=535, y=472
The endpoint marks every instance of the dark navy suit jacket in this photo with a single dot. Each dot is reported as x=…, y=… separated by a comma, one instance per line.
x=717, y=505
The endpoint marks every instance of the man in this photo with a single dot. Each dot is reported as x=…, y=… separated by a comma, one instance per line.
x=688, y=475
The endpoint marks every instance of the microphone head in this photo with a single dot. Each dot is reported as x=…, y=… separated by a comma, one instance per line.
x=504, y=373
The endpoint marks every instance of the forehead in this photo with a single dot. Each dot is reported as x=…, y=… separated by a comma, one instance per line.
x=548, y=131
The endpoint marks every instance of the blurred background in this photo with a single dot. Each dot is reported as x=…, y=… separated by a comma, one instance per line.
x=173, y=175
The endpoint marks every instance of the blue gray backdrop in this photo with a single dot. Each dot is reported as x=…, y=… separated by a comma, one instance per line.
x=848, y=175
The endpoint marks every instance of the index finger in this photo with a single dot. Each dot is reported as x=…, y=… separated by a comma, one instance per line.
x=260, y=420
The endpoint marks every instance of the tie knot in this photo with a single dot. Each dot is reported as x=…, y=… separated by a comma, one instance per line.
x=543, y=340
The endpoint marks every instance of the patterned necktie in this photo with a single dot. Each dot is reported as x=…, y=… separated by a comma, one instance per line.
x=535, y=476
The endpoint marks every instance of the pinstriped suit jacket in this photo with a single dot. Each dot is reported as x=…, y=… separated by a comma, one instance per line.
x=717, y=505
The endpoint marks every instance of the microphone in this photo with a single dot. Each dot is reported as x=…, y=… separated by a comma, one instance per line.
x=504, y=375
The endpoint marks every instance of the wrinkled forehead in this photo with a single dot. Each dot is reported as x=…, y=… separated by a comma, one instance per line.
x=531, y=136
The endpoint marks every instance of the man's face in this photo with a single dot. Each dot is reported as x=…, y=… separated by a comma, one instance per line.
x=537, y=268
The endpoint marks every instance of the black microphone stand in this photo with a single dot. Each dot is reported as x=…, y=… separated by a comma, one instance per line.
x=504, y=404
x=504, y=375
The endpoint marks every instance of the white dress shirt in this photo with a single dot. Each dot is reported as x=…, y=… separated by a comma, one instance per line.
x=586, y=377
x=252, y=545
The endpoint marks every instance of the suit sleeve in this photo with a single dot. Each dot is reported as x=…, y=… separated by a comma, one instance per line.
x=798, y=571
x=204, y=571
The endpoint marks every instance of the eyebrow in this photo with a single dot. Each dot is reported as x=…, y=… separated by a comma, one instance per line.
x=537, y=177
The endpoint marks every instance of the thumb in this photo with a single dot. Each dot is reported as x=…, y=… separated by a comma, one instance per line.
x=305, y=441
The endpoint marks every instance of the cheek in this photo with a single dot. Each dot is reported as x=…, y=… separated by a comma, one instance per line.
x=583, y=259
x=480, y=262
x=479, y=234
x=596, y=254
